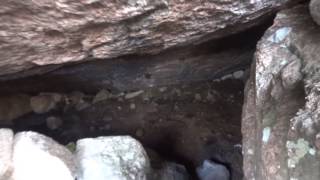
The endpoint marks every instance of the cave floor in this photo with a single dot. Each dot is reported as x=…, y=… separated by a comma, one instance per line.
x=186, y=123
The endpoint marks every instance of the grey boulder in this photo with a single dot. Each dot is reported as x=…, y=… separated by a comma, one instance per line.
x=112, y=158
x=213, y=171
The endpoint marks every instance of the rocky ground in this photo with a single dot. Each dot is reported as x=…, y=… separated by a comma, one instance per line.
x=186, y=123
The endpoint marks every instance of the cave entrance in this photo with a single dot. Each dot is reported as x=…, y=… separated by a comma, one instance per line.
x=184, y=105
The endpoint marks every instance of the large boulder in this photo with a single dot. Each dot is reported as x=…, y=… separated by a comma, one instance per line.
x=38, y=157
x=6, y=144
x=113, y=158
x=39, y=33
x=281, y=116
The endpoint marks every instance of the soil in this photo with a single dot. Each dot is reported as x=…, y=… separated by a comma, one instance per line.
x=186, y=123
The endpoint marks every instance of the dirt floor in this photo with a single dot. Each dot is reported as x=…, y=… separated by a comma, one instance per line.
x=184, y=123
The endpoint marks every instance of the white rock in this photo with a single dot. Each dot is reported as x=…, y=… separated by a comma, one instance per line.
x=6, y=142
x=37, y=157
x=111, y=158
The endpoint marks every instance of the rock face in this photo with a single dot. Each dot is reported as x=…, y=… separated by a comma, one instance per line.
x=38, y=157
x=281, y=115
x=315, y=10
x=6, y=143
x=57, y=32
x=114, y=158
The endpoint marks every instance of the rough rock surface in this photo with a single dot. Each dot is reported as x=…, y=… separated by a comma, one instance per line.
x=38, y=157
x=113, y=157
x=281, y=116
x=315, y=10
x=6, y=143
x=57, y=32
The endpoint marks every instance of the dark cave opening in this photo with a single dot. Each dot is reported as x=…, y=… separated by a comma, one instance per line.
x=188, y=111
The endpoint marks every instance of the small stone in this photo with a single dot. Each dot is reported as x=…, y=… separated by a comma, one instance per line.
x=163, y=89
x=76, y=97
x=132, y=106
x=119, y=108
x=210, y=97
x=53, y=122
x=211, y=170
x=178, y=92
x=101, y=96
x=82, y=105
x=238, y=74
x=43, y=103
x=228, y=76
x=172, y=171
x=133, y=94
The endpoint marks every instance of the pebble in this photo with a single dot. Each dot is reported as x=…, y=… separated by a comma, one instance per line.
x=132, y=106
x=211, y=170
x=101, y=96
x=43, y=103
x=133, y=94
x=238, y=74
x=163, y=89
x=228, y=76
x=53, y=122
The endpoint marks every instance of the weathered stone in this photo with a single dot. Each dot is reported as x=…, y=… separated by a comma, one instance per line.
x=38, y=157
x=44, y=102
x=53, y=122
x=171, y=171
x=315, y=10
x=13, y=106
x=57, y=32
x=211, y=170
x=6, y=144
x=116, y=158
x=281, y=112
